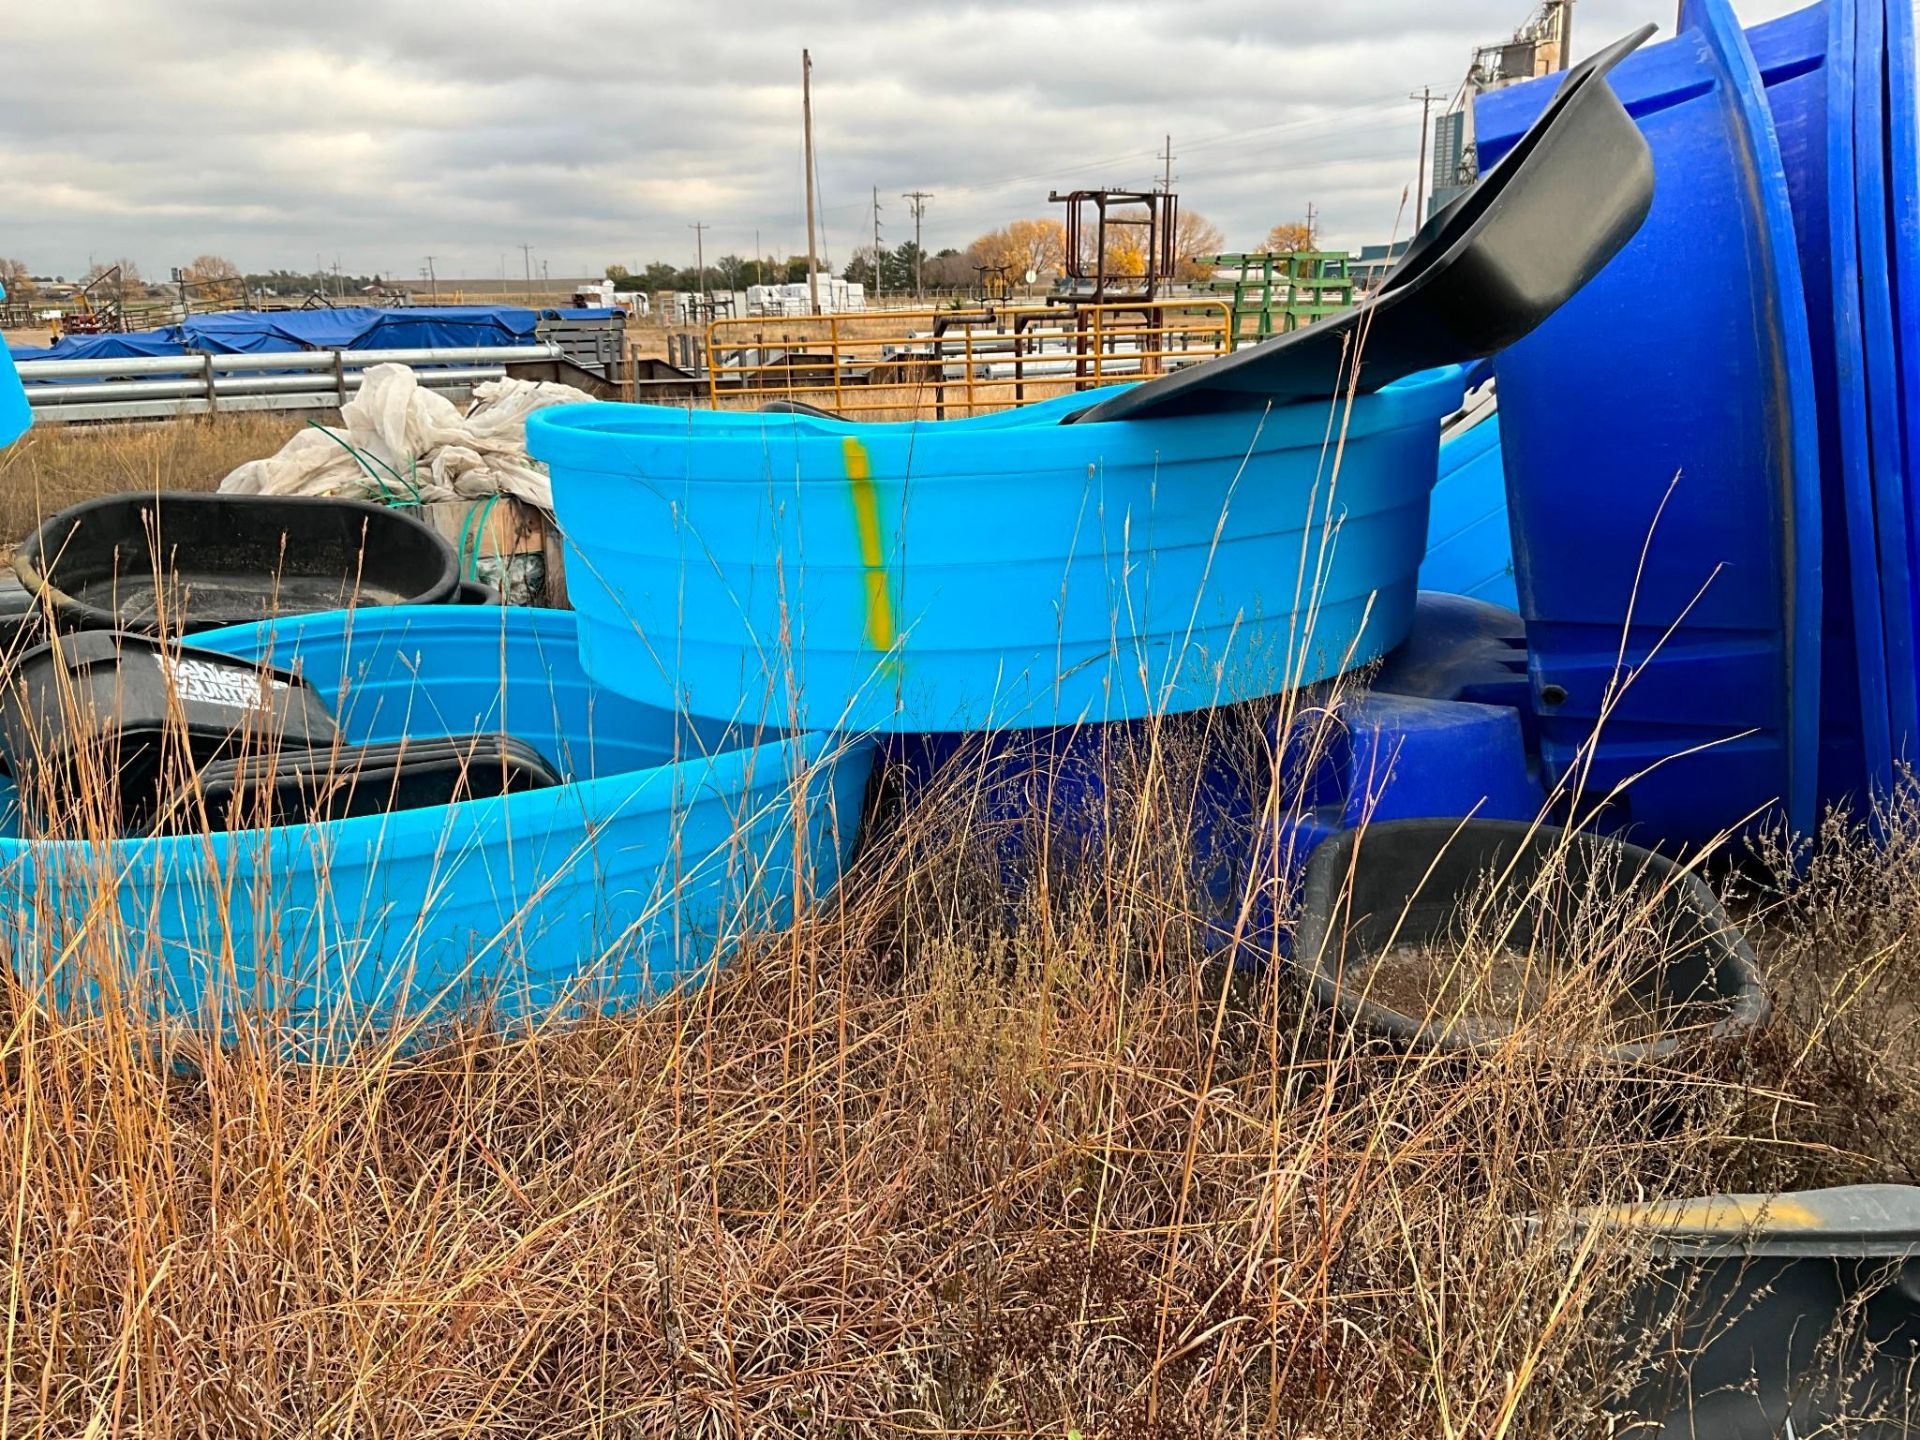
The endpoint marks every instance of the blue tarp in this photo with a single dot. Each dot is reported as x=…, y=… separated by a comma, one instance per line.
x=359, y=327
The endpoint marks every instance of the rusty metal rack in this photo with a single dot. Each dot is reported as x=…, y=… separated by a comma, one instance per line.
x=1103, y=223
x=945, y=363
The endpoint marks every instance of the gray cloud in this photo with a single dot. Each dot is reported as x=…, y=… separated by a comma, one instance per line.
x=379, y=132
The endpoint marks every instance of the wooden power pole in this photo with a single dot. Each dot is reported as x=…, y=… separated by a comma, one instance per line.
x=1425, y=97
x=917, y=202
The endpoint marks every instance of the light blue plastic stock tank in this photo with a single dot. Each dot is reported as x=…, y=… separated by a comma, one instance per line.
x=14, y=414
x=1003, y=571
x=635, y=874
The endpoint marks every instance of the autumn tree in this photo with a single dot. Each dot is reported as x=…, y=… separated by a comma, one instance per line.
x=214, y=278
x=1194, y=235
x=1038, y=245
x=1288, y=236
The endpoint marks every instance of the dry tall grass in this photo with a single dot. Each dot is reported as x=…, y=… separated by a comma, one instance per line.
x=54, y=466
x=918, y=1165
x=940, y=1159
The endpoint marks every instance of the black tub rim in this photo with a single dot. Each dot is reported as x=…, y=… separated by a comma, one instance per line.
x=79, y=614
x=1323, y=920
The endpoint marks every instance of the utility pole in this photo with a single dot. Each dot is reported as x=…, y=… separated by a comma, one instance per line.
x=1425, y=97
x=699, y=229
x=806, y=116
x=876, y=242
x=917, y=202
x=758, y=278
x=433, y=280
x=526, y=257
x=1310, y=244
x=1166, y=175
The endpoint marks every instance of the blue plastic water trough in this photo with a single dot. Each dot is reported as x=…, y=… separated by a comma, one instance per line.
x=1903, y=166
x=1804, y=60
x=1881, y=380
x=1469, y=547
x=1008, y=571
x=629, y=879
x=1669, y=546
x=15, y=417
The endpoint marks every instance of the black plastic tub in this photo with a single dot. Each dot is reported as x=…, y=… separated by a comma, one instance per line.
x=1770, y=1315
x=1409, y=887
x=101, y=710
x=187, y=562
x=337, y=783
x=20, y=620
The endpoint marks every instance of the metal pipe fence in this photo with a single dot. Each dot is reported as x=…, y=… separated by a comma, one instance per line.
x=163, y=387
x=957, y=362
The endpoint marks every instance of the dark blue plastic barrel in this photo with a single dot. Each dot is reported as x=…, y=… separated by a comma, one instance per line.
x=1660, y=444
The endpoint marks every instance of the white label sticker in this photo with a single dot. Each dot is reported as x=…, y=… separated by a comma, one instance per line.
x=202, y=682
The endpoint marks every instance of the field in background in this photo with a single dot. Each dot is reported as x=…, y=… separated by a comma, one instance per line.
x=922, y=1165
x=54, y=466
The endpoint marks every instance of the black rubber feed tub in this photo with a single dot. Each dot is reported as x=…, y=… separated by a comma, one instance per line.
x=190, y=562
x=1411, y=889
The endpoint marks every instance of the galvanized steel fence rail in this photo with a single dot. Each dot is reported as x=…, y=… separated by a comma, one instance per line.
x=163, y=387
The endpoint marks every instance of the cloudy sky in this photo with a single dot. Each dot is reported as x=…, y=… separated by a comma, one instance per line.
x=378, y=133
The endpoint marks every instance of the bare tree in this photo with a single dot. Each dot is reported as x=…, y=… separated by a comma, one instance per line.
x=129, y=274
x=15, y=278
x=1194, y=235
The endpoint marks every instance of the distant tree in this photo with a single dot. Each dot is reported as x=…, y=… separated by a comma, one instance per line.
x=1039, y=245
x=129, y=274
x=731, y=270
x=860, y=269
x=1288, y=236
x=1194, y=235
x=659, y=276
x=796, y=270
x=15, y=278
x=215, y=279
x=949, y=271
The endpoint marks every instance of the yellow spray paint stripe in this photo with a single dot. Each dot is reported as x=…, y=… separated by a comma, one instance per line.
x=866, y=515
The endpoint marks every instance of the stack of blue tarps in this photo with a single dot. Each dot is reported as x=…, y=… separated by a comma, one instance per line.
x=359, y=327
